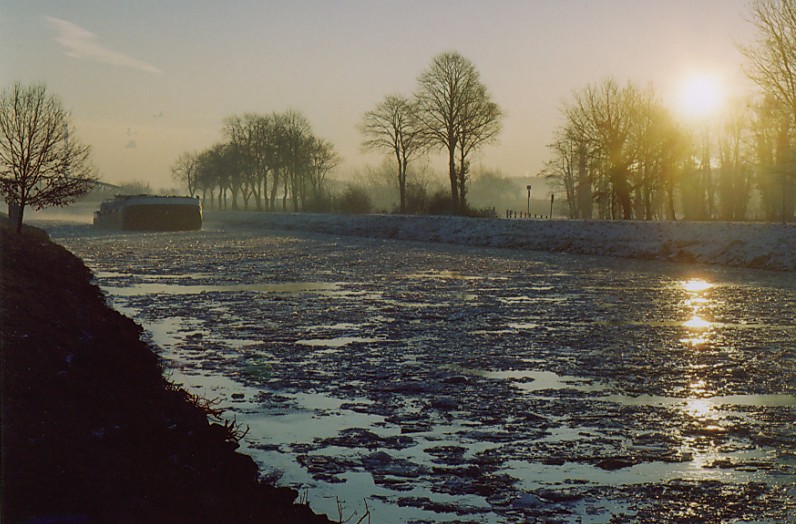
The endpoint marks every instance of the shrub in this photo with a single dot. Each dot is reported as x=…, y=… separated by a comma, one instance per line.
x=355, y=200
x=441, y=203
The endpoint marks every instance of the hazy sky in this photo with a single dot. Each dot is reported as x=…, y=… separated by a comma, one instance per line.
x=148, y=80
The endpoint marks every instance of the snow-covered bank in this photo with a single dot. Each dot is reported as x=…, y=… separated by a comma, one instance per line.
x=754, y=245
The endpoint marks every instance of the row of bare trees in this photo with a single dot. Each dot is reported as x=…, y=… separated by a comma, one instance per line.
x=620, y=153
x=452, y=110
x=266, y=162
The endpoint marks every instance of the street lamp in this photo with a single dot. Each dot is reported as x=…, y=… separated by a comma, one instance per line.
x=529, y=201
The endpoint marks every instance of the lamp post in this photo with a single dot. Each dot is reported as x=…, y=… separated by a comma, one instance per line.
x=529, y=201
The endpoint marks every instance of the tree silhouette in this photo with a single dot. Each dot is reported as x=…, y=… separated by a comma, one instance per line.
x=262, y=155
x=186, y=171
x=456, y=112
x=41, y=162
x=772, y=66
x=391, y=126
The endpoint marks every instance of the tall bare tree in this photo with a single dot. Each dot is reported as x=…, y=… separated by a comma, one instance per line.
x=253, y=136
x=323, y=159
x=456, y=112
x=772, y=58
x=772, y=66
x=391, y=126
x=602, y=116
x=42, y=164
x=293, y=144
x=568, y=169
x=620, y=146
x=734, y=181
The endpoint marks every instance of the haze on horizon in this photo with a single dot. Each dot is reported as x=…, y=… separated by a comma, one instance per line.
x=148, y=81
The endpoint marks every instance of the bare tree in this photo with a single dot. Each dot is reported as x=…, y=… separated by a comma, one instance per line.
x=455, y=112
x=253, y=135
x=293, y=144
x=772, y=59
x=734, y=181
x=480, y=124
x=186, y=171
x=41, y=162
x=603, y=117
x=323, y=159
x=564, y=170
x=391, y=126
x=772, y=66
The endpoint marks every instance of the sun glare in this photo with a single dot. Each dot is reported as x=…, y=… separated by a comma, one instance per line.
x=700, y=96
x=696, y=285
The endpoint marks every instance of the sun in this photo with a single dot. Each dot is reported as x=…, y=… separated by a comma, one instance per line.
x=700, y=96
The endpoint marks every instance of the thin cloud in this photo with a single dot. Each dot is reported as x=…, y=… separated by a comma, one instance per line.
x=83, y=44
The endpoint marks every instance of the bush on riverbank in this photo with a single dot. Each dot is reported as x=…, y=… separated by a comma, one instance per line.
x=90, y=428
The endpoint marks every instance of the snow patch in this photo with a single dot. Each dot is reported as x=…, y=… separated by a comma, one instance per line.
x=736, y=244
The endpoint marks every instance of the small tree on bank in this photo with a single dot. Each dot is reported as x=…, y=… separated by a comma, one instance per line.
x=41, y=162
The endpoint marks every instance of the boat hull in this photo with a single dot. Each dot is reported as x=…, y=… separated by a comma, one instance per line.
x=151, y=213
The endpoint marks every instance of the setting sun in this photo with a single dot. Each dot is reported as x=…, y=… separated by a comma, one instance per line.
x=700, y=96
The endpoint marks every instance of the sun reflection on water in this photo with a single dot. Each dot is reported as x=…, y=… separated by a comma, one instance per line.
x=705, y=426
x=698, y=325
x=699, y=408
x=697, y=322
x=696, y=285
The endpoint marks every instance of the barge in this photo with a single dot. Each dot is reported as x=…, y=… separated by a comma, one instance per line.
x=150, y=213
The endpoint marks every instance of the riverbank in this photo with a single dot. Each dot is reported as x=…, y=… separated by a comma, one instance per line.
x=733, y=244
x=91, y=431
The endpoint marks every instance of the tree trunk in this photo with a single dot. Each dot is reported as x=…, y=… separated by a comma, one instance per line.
x=452, y=174
x=15, y=213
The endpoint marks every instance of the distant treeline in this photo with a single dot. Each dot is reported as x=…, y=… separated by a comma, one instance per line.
x=267, y=162
x=619, y=153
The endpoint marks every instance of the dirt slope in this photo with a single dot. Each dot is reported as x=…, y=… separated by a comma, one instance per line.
x=91, y=432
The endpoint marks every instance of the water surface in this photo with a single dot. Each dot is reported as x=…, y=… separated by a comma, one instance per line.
x=441, y=383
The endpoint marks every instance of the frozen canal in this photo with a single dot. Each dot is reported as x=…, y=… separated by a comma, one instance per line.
x=431, y=383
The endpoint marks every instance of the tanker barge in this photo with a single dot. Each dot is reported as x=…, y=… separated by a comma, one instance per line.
x=150, y=213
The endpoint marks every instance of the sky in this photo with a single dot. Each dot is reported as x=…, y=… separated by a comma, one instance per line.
x=148, y=80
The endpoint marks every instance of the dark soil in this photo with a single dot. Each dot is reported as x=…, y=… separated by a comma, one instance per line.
x=91, y=431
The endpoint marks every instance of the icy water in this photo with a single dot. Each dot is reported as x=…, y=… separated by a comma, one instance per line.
x=431, y=383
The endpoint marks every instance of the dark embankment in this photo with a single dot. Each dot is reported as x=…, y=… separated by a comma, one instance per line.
x=91, y=431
